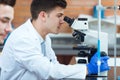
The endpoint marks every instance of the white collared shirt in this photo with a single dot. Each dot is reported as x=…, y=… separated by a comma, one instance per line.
x=22, y=58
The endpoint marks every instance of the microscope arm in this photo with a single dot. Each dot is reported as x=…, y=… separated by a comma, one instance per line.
x=103, y=39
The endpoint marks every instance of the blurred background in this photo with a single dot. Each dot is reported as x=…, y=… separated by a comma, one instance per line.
x=74, y=8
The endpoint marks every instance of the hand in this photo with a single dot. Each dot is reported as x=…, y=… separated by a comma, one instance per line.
x=93, y=67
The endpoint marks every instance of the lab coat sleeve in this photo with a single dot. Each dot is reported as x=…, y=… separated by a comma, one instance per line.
x=81, y=74
x=27, y=53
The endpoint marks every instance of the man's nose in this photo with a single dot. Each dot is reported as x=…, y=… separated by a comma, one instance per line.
x=8, y=28
x=62, y=20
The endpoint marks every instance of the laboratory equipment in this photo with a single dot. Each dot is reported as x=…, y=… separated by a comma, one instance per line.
x=80, y=31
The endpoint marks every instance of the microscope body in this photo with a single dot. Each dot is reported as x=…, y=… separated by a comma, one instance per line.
x=81, y=32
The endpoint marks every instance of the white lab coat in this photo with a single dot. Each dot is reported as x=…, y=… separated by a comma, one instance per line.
x=22, y=58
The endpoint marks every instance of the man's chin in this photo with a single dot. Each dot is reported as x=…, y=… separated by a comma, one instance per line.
x=1, y=41
x=56, y=32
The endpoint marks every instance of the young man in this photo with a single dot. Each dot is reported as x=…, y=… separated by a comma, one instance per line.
x=6, y=16
x=28, y=55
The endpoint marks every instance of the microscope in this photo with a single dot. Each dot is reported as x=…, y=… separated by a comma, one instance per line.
x=80, y=32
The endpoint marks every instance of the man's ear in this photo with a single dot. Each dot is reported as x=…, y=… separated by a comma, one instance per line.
x=42, y=15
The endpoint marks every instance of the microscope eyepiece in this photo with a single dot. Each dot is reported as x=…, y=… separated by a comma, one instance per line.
x=68, y=20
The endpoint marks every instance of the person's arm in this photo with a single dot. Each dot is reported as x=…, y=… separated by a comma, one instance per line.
x=28, y=54
x=80, y=75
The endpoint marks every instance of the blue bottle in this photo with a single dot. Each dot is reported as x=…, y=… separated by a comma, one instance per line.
x=95, y=12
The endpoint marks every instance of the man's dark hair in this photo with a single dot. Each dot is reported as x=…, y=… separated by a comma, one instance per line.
x=8, y=2
x=45, y=5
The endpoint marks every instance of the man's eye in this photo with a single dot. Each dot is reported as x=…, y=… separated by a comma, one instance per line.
x=59, y=16
x=4, y=21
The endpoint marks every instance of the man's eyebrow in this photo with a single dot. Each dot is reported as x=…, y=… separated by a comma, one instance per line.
x=61, y=13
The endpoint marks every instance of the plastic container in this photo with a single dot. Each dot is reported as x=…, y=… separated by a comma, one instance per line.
x=95, y=12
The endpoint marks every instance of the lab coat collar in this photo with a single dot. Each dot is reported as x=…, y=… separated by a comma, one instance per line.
x=34, y=30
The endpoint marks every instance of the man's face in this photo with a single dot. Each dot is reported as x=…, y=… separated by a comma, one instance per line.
x=6, y=16
x=55, y=20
